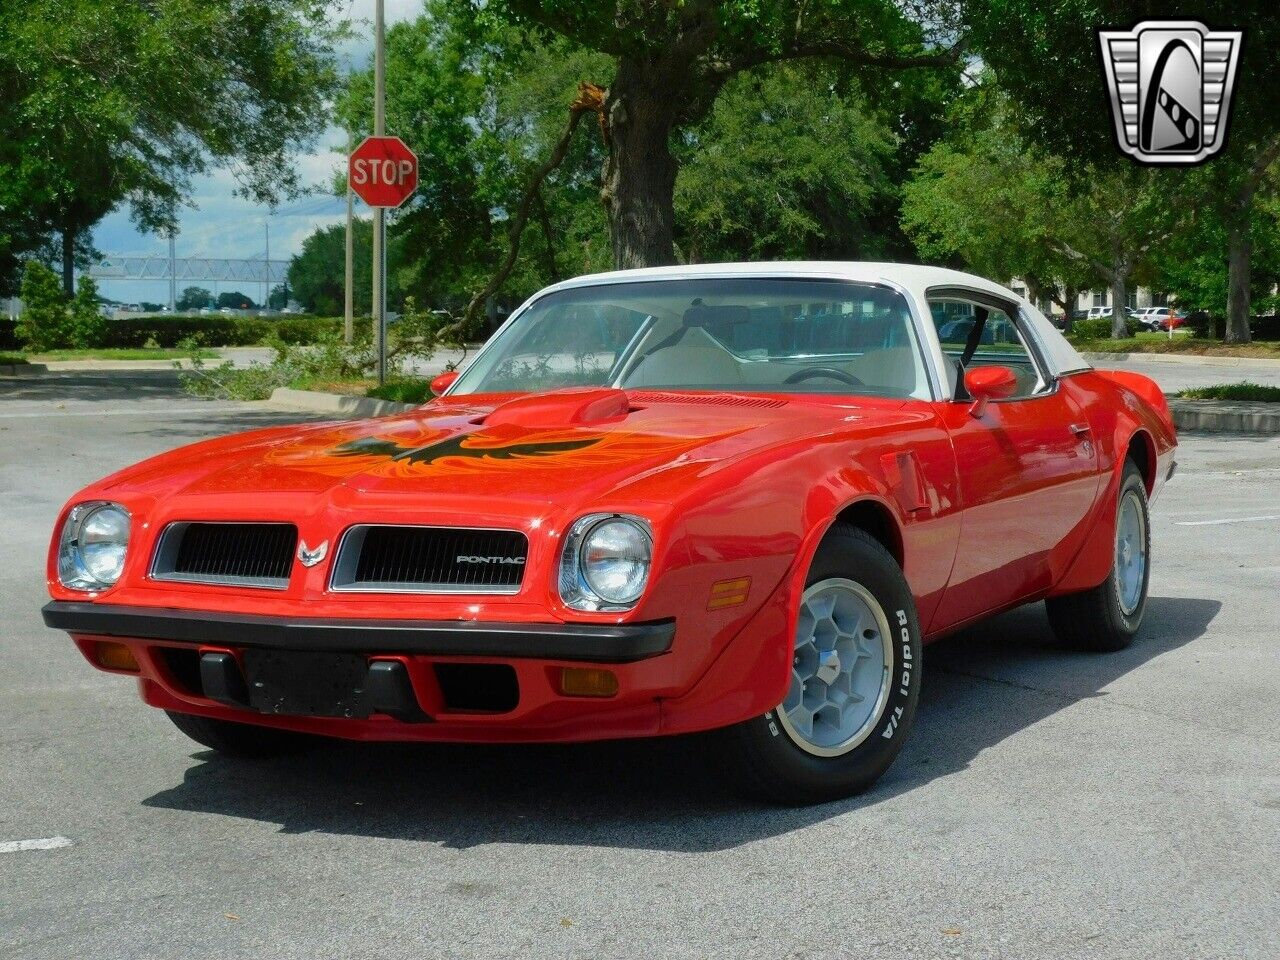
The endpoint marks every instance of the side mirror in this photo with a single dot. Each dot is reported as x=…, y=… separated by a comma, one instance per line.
x=443, y=382
x=989, y=383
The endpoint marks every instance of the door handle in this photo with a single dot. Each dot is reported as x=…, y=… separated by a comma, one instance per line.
x=1080, y=429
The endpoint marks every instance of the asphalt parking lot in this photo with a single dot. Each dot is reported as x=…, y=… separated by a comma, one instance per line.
x=1048, y=805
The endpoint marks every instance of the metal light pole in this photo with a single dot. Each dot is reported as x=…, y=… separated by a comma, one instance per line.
x=349, y=310
x=379, y=214
x=266, y=267
x=173, y=275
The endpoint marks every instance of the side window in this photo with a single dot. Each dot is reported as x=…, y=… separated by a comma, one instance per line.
x=1001, y=343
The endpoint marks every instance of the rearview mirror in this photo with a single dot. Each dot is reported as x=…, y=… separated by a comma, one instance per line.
x=989, y=383
x=443, y=382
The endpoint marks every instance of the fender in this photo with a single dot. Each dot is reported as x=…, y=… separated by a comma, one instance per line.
x=750, y=675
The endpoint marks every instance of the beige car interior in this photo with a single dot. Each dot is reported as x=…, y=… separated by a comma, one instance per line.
x=693, y=357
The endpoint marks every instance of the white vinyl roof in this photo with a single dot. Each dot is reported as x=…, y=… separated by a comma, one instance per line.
x=912, y=279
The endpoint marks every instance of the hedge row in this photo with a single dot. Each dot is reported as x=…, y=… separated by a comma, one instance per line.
x=216, y=331
x=1099, y=328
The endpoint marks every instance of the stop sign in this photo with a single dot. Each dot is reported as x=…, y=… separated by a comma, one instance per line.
x=382, y=171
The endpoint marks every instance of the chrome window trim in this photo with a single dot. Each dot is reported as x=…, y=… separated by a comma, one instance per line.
x=166, y=550
x=347, y=556
x=1011, y=308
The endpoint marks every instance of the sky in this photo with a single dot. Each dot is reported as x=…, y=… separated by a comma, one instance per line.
x=220, y=224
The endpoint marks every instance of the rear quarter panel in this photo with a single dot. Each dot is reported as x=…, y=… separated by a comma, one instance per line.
x=1124, y=409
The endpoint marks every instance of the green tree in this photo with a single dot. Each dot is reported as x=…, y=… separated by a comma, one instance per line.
x=193, y=298
x=669, y=62
x=317, y=271
x=1007, y=208
x=111, y=101
x=773, y=176
x=1047, y=53
x=278, y=299
x=234, y=300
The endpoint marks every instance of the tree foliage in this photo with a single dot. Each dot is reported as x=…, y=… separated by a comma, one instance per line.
x=110, y=102
x=1046, y=53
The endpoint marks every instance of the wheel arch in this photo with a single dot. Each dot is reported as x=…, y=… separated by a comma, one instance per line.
x=874, y=517
x=1141, y=449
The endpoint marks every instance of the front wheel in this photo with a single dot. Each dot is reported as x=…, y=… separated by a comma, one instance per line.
x=1107, y=617
x=855, y=680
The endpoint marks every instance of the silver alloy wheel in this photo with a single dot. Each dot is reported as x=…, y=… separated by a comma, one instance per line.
x=840, y=670
x=1130, y=568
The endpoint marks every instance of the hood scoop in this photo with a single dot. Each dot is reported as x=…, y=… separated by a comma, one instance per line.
x=708, y=399
x=573, y=407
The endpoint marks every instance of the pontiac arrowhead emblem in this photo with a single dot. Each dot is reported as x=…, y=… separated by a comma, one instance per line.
x=308, y=557
x=1170, y=84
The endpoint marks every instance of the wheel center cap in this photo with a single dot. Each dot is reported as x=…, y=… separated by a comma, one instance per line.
x=828, y=666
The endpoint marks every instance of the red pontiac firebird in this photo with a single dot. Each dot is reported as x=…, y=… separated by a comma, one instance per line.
x=657, y=501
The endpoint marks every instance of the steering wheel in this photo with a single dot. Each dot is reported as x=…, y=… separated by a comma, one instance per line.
x=833, y=373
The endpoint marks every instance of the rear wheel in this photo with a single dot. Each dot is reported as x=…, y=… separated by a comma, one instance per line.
x=239, y=739
x=854, y=681
x=1107, y=617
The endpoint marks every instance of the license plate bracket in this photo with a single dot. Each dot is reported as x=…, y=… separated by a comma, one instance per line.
x=307, y=684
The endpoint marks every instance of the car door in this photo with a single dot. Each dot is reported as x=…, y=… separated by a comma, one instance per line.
x=1028, y=468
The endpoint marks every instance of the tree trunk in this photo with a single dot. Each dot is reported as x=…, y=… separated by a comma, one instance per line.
x=1119, y=298
x=640, y=173
x=1239, y=252
x=1069, y=297
x=69, y=261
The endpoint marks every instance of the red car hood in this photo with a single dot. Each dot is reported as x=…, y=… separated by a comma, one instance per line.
x=563, y=447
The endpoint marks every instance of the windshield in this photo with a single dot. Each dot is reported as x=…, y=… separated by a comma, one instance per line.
x=733, y=334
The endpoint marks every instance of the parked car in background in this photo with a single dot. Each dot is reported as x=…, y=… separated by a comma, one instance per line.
x=734, y=497
x=1171, y=322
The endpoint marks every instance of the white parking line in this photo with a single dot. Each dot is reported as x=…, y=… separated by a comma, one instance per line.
x=48, y=843
x=1208, y=523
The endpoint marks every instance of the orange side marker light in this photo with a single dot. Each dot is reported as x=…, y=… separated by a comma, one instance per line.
x=729, y=593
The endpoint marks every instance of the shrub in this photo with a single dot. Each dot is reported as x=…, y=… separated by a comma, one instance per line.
x=88, y=325
x=403, y=391
x=1099, y=328
x=45, y=323
x=9, y=334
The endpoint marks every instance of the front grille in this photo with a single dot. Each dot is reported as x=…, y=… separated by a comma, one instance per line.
x=399, y=559
x=229, y=554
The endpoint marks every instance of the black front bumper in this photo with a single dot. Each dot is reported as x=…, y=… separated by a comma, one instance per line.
x=585, y=642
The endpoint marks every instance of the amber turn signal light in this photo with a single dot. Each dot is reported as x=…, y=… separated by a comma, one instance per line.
x=586, y=682
x=114, y=656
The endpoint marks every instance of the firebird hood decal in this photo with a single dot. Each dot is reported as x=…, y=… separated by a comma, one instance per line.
x=457, y=447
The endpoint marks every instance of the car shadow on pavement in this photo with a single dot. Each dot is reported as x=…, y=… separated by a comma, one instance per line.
x=981, y=686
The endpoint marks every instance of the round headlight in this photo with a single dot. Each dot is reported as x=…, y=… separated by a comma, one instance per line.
x=615, y=560
x=92, y=550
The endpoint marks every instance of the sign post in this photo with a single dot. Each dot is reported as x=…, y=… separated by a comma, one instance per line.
x=382, y=172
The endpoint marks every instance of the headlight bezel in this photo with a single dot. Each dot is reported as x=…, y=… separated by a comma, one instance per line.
x=576, y=590
x=74, y=573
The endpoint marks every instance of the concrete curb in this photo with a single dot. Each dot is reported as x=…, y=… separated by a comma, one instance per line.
x=71, y=366
x=346, y=407
x=22, y=369
x=1262, y=363
x=1226, y=416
